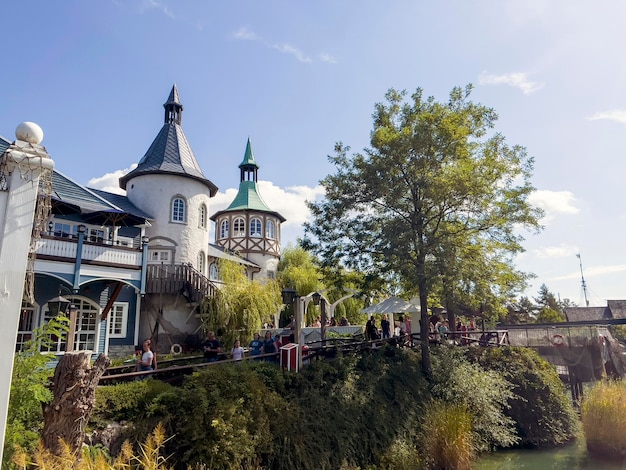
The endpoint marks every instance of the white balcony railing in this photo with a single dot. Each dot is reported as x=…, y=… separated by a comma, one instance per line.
x=106, y=254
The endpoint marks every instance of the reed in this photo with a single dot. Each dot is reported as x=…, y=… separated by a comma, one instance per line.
x=603, y=415
x=448, y=441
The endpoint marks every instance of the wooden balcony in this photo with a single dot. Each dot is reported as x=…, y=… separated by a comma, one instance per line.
x=100, y=254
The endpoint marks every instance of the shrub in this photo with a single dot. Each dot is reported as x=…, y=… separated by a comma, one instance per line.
x=448, y=436
x=484, y=393
x=543, y=412
x=603, y=416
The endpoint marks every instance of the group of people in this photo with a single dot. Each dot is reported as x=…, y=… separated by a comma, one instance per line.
x=213, y=351
x=402, y=330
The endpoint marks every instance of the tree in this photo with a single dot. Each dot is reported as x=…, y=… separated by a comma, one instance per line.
x=547, y=300
x=298, y=270
x=240, y=307
x=433, y=195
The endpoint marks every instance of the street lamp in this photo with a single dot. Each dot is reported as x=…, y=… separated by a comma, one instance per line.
x=60, y=304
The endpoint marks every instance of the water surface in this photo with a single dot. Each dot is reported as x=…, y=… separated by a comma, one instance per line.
x=570, y=457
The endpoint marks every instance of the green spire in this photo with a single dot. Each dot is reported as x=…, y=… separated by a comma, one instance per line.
x=248, y=158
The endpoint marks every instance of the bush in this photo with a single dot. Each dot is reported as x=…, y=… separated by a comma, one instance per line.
x=603, y=416
x=482, y=392
x=544, y=414
x=448, y=436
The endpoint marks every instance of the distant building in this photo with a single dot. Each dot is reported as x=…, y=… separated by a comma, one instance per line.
x=614, y=310
x=137, y=266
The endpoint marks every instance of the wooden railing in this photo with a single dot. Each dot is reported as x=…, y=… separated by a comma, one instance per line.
x=65, y=248
x=178, y=279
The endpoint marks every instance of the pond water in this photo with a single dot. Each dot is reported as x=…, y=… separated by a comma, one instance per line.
x=571, y=457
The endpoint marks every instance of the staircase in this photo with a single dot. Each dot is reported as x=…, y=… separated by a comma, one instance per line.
x=180, y=279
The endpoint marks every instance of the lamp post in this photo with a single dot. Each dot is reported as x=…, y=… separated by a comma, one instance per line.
x=60, y=304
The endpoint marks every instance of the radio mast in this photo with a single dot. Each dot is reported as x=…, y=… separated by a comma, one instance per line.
x=582, y=276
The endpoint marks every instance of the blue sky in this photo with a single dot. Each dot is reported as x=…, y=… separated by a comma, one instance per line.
x=296, y=77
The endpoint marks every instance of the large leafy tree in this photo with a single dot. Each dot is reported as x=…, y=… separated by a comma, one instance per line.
x=434, y=197
x=240, y=307
x=298, y=270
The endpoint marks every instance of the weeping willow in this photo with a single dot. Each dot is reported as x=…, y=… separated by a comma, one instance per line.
x=240, y=307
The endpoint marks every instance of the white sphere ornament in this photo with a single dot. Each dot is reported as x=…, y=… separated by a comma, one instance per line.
x=29, y=132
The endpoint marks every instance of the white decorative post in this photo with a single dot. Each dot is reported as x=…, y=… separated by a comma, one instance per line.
x=20, y=168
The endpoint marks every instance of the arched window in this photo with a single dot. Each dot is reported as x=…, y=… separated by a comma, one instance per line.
x=255, y=228
x=224, y=229
x=214, y=274
x=202, y=216
x=270, y=229
x=239, y=227
x=201, y=259
x=178, y=209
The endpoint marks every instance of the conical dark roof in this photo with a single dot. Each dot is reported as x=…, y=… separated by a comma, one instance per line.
x=170, y=153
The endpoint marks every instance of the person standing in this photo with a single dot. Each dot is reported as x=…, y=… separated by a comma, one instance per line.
x=211, y=348
x=147, y=357
x=255, y=345
x=237, y=352
x=269, y=347
x=385, y=326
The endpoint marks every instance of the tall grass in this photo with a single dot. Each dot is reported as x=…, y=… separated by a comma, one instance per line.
x=149, y=457
x=448, y=437
x=603, y=415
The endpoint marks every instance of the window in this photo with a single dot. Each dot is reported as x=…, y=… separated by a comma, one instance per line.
x=96, y=235
x=178, y=210
x=86, y=322
x=224, y=229
x=201, y=262
x=270, y=229
x=239, y=227
x=271, y=275
x=255, y=228
x=118, y=317
x=65, y=230
x=213, y=272
x=156, y=255
x=202, y=216
x=25, y=328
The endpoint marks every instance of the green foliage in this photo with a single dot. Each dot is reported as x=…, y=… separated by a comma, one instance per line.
x=486, y=393
x=298, y=270
x=448, y=436
x=548, y=315
x=435, y=203
x=603, y=415
x=30, y=387
x=240, y=306
x=373, y=410
x=543, y=412
x=128, y=401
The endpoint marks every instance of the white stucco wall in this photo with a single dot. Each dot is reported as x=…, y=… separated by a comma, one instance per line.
x=154, y=194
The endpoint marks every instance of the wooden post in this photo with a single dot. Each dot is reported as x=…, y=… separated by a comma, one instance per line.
x=74, y=389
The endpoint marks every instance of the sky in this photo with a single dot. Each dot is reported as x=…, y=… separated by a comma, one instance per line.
x=297, y=77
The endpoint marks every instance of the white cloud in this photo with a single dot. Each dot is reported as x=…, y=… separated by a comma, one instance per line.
x=553, y=203
x=110, y=181
x=244, y=34
x=560, y=251
x=594, y=271
x=290, y=202
x=327, y=58
x=617, y=115
x=515, y=79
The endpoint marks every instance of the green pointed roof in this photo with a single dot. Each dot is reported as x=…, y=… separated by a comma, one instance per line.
x=248, y=157
x=248, y=197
